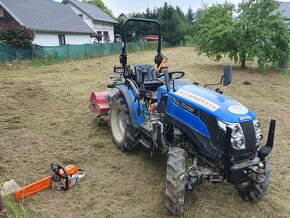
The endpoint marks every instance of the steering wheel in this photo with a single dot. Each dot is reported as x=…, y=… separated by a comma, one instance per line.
x=171, y=73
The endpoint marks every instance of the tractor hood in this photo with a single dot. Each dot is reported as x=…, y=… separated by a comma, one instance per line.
x=216, y=104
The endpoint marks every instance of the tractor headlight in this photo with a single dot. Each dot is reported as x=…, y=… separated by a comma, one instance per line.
x=239, y=143
x=238, y=139
x=257, y=125
x=259, y=136
x=235, y=129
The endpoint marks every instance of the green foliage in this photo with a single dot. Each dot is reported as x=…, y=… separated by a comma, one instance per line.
x=118, y=26
x=171, y=21
x=190, y=15
x=14, y=34
x=286, y=73
x=100, y=4
x=41, y=62
x=214, y=30
x=175, y=24
x=189, y=40
x=259, y=32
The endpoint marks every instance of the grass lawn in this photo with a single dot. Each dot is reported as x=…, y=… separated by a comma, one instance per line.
x=44, y=119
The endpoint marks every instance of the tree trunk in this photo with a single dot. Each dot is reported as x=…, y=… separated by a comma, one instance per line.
x=243, y=56
x=243, y=65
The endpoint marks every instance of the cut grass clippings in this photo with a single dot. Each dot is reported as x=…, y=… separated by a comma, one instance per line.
x=44, y=119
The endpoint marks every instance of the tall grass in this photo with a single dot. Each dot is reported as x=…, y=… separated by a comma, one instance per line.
x=15, y=209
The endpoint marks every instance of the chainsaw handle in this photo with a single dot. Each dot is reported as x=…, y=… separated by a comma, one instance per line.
x=56, y=168
x=53, y=167
x=65, y=176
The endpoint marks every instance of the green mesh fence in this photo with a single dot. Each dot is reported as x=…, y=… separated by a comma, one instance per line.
x=10, y=53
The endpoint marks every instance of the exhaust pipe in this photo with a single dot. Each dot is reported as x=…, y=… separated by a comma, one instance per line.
x=266, y=149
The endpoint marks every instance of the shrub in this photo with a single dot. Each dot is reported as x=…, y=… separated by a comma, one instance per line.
x=15, y=34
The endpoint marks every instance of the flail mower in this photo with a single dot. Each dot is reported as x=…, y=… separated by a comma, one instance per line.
x=206, y=135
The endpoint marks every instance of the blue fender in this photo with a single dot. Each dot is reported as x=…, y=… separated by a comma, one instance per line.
x=131, y=102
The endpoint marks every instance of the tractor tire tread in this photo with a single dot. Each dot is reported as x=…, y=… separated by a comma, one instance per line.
x=132, y=135
x=175, y=185
x=253, y=192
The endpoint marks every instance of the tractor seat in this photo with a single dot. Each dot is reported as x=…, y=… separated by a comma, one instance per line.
x=150, y=79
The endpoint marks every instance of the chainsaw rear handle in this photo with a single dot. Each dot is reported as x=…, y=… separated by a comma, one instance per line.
x=56, y=168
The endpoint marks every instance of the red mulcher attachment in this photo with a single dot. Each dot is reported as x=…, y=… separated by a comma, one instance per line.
x=99, y=103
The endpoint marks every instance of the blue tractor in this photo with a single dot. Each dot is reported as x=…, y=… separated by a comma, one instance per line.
x=206, y=135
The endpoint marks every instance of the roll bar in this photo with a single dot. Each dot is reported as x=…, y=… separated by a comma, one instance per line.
x=123, y=56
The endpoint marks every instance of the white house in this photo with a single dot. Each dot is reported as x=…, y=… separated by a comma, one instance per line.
x=284, y=8
x=124, y=16
x=101, y=23
x=52, y=22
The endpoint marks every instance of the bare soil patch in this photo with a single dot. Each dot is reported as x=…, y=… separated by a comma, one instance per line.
x=44, y=118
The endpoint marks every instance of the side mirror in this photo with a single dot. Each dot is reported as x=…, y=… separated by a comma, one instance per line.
x=227, y=78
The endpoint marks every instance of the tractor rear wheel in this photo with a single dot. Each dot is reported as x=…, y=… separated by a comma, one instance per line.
x=124, y=135
x=251, y=191
x=175, y=184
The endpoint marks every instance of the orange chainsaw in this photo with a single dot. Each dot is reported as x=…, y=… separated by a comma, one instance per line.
x=62, y=179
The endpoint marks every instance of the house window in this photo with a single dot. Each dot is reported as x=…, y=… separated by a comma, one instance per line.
x=106, y=36
x=1, y=12
x=99, y=37
x=61, y=39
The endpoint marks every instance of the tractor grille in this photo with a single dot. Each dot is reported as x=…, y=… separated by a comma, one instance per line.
x=250, y=135
x=217, y=134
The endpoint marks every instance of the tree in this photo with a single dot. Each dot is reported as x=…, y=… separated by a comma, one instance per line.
x=175, y=24
x=171, y=20
x=214, y=28
x=190, y=15
x=263, y=31
x=258, y=32
x=100, y=4
x=14, y=34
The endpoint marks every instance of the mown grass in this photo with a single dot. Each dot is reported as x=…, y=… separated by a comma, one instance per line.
x=44, y=118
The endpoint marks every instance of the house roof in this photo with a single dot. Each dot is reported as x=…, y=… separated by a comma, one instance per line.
x=125, y=15
x=45, y=15
x=92, y=11
x=284, y=7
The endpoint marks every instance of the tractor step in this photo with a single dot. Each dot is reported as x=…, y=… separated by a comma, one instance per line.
x=146, y=143
x=145, y=128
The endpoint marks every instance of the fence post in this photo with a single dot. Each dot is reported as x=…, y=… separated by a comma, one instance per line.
x=87, y=51
x=68, y=51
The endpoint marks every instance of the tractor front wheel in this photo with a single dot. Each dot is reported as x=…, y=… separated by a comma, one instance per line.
x=124, y=135
x=251, y=191
x=175, y=184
